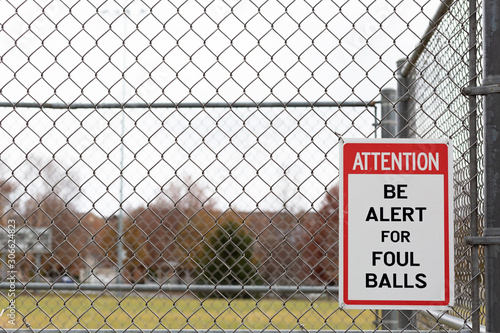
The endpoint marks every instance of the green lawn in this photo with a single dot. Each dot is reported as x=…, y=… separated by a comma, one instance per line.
x=148, y=312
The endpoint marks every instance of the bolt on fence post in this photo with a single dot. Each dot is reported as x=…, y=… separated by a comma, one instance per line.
x=491, y=46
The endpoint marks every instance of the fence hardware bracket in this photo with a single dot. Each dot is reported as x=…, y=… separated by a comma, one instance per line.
x=481, y=90
x=491, y=236
x=482, y=240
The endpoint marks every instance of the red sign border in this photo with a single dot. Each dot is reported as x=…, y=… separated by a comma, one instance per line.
x=388, y=145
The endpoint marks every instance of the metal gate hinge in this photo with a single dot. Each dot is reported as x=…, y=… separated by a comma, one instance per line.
x=481, y=90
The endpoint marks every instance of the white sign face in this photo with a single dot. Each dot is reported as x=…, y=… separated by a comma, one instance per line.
x=396, y=231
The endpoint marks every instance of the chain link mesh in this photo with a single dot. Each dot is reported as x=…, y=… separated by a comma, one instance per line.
x=174, y=164
x=438, y=107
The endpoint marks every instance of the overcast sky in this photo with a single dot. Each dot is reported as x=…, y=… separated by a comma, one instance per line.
x=194, y=51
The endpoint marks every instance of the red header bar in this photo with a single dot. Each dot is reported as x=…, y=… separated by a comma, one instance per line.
x=390, y=158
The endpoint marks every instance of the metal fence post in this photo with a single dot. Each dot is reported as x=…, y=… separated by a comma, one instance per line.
x=473, y=168
x=388, y=119
x=492, y=163
x=404, y=118
x=405, y=318
x=389, y=127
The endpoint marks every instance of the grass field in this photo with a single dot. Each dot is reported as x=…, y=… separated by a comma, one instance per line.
x=148, y=312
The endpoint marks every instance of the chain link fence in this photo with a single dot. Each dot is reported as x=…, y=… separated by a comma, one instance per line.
x=450, y=62
x=173, y=165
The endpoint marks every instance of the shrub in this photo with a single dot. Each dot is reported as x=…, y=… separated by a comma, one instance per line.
x=227, y=259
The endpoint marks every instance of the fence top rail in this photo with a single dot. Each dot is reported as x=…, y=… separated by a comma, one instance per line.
x=188, y=105
x=168, y=287
x=409, y=65
x=449, y=320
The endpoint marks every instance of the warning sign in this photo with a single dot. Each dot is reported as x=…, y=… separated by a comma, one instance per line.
x=396, y=233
